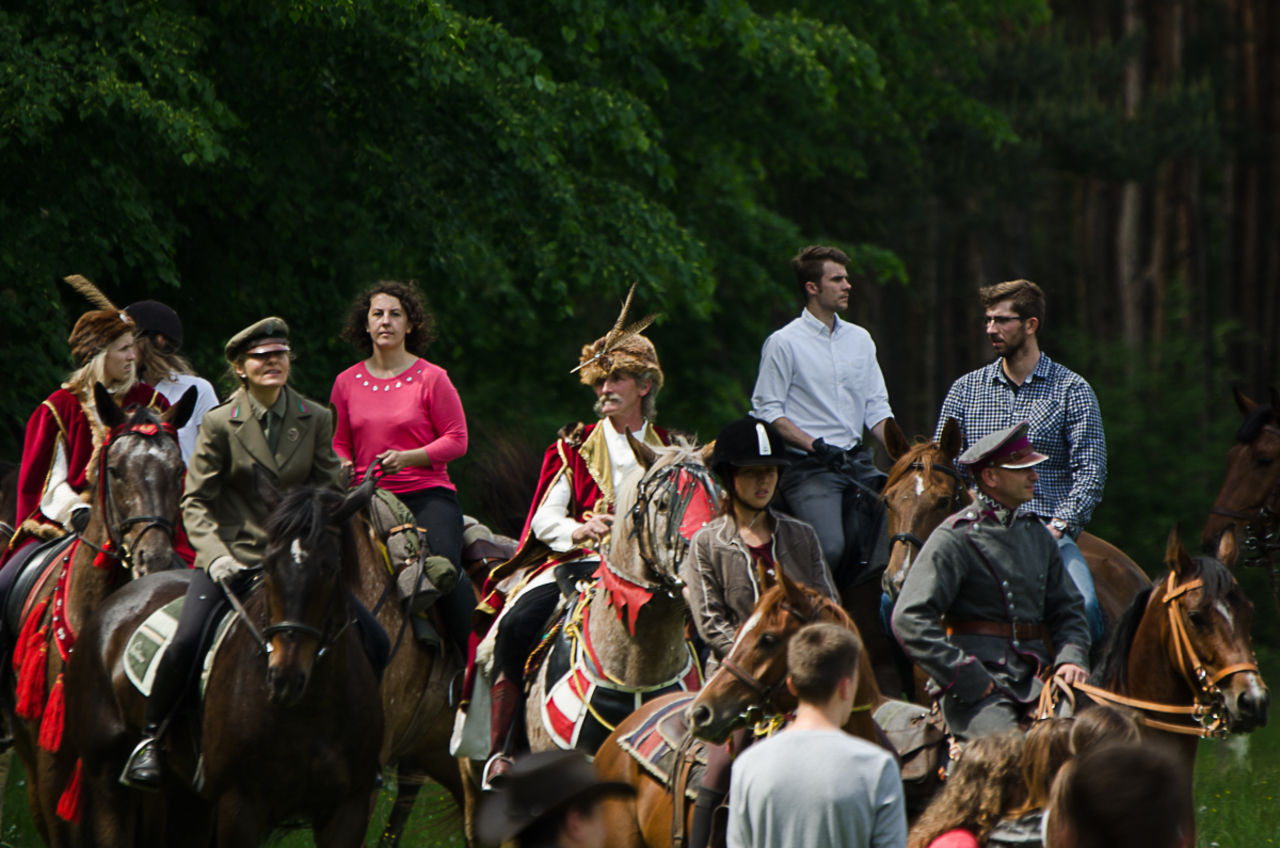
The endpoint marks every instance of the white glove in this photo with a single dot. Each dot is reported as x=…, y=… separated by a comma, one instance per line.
x=225, y=568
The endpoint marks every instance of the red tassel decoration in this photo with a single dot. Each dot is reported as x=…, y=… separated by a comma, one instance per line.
x=103, y=559
x=72, y=797
x=27, y=634
x=31, y=680
x=55, y=713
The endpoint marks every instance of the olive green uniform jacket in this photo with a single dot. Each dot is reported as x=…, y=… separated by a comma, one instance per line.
x=221, y=509
x=975, y=568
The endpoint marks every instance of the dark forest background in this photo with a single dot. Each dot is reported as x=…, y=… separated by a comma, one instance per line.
x=526, y=161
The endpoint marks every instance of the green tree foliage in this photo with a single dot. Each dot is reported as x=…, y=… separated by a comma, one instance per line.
x=525, y=161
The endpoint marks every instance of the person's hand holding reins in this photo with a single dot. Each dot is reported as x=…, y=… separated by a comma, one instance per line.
x=593, y=530
x=1072, y=674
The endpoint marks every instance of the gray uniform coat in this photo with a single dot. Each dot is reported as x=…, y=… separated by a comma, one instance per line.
x=976, y=568
x=222, y=512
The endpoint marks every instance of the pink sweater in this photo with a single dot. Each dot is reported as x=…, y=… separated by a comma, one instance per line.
x=955, y=839
x=418, y=408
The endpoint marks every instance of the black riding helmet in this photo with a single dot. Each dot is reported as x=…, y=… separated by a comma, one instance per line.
x=747, y=441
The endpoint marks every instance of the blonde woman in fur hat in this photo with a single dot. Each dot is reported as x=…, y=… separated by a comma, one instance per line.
x=62, y=432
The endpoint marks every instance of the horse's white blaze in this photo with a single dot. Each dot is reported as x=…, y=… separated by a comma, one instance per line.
x=919, y=485
x=299, y=555
x=906, y=560
x=746, y=628
x=1226, y=613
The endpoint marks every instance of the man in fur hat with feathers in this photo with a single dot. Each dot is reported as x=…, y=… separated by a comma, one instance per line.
x=572, y=513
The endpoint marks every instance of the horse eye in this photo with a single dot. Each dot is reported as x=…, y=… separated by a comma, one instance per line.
x=1196, y=617
x=943, y=503
x=768, y=640
x=114, y=472
x=1264, y=462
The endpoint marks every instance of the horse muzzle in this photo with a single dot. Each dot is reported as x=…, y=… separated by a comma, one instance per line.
x=287, y=683
x=1248, y=704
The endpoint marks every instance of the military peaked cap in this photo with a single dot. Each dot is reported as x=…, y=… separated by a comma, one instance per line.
x=1009, y=448
x=266, y=336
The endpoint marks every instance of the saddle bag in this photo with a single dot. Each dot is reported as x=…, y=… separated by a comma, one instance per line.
x=919, y=736
x=420, y=580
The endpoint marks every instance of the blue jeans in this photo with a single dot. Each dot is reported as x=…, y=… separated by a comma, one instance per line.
x=1073, y=559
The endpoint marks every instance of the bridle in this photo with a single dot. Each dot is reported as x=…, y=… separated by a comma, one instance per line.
x=1261, y=541
x=1208, y=708
x=766, y=706
x=957, y=498
x=682, y=482
x=116, y=547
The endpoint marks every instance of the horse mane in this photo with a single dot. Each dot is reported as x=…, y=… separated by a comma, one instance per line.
x=771, y=600
x=303, y=514
x=921, y=452
x=1253, y=424
x=1112, y=673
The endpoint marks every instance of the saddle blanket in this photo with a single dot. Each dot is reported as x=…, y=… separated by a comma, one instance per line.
x=656, y=743
x=151, y=639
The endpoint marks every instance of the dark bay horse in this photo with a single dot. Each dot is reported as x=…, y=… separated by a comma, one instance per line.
x=1182, y=656
x=924, y=487
x=731, y=699
x=292, y=723
x=1249, y=501
x=136, y=481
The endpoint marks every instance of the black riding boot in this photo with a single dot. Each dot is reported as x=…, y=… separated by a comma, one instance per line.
x=703, y=813
x=146, y=763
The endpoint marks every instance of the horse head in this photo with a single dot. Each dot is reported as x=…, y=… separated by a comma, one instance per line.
x=659, y=507
x=1249, y=501
x=923, y=488
x=750, y=683
x=136, y=478
x=303, y=587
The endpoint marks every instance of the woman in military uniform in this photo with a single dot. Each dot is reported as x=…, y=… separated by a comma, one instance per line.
x=267, y=424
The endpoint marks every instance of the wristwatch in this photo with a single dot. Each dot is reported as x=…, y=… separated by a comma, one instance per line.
x=1060, y=525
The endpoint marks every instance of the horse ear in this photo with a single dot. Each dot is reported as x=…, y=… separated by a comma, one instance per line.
x=1228, y=551
x=708, y=451
x=1243, y=403
x=790, y=589
x=644, y=454
x=356, y=500
x=109, y=412
x=895, y=441
x=265, y=488
x=179, y=414
x=1175, y=555
x=952, y=438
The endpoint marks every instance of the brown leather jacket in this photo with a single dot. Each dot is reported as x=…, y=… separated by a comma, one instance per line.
x=723, y=585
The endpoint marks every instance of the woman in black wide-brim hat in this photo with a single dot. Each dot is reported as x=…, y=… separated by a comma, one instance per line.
x=735, y=559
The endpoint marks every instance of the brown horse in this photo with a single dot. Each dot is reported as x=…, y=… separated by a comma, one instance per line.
x=749, y=687
x=292, y=722
x=415, y=688
x=924, y=488
x=1183, y=657
x=136, y=481
x=1249, y=501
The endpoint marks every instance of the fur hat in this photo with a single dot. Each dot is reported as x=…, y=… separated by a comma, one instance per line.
x=96, y=330
x=621, y=349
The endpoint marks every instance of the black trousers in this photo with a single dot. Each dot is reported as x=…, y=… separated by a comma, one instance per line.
x=438, y=512
x=520, y=629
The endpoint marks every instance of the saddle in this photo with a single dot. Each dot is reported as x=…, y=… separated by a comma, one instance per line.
x=40, y=563
x=662, y=747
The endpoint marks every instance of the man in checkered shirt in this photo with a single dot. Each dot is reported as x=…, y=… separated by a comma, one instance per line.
x=1024, y=384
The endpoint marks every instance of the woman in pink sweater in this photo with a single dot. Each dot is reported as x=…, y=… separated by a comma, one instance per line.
x=399, y=409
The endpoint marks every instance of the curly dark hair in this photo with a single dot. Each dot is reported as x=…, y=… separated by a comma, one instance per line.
x=422, y=324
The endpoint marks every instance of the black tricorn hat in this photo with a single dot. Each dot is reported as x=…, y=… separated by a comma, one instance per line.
x=748, y=441
x=537, y=785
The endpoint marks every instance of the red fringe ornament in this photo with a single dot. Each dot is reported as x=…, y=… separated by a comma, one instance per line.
x=55, y=713
x=33, y=649
x=72, y=797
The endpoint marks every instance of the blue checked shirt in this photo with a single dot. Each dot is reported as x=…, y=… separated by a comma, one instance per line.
x=1066, y=426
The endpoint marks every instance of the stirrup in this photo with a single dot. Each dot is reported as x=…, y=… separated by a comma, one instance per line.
x=138, y=773
x=495, y=772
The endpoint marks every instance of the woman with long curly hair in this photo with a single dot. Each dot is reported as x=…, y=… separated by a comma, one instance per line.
x=398, y=409
x=982, y=788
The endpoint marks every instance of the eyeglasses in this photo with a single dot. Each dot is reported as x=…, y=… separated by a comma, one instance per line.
x=999, y=320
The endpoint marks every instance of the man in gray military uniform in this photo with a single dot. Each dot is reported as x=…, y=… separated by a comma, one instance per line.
x=989, y=594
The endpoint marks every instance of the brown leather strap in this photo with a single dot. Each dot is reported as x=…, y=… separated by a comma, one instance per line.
x=680, y=782
x=1000, y=629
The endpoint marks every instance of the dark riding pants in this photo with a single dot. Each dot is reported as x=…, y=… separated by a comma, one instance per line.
x=437, y=511
x=520, y=629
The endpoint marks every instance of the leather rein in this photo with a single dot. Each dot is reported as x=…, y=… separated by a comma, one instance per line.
x=957, y=496
x=1261, y=540
x=1208, y=708
x=116, y=547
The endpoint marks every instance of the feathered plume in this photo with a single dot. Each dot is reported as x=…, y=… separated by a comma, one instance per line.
x=619, y=333
x=91, y=292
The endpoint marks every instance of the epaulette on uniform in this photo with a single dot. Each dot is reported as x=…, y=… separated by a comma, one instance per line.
x=968, y=515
